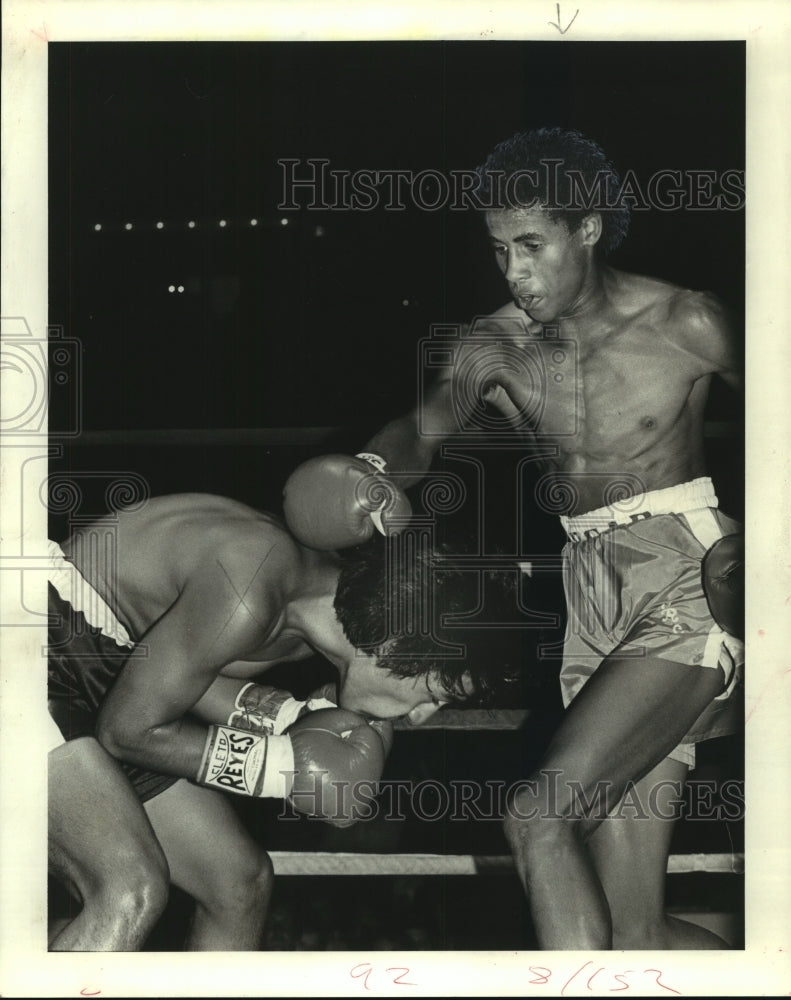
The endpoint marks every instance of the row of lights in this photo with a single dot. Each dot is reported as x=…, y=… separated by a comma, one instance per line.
x=180, y=288
x=222, y=223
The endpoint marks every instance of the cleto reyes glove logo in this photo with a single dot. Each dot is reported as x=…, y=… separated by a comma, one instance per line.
x=235, y=764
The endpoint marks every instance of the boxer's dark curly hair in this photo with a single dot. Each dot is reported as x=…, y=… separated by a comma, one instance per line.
x=394, y=598
x=583, y=182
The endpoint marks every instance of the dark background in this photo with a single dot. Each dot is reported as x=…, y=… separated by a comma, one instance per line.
x=278, y=327
x=291, y=340
x=281, y=328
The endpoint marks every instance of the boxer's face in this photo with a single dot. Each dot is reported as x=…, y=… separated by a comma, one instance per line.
x=373, y=691
x=548, y=269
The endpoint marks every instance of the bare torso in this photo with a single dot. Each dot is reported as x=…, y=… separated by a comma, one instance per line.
x=171, y=541
x=630, y=408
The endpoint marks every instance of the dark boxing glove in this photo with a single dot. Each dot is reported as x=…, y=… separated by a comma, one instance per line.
x=723, y=583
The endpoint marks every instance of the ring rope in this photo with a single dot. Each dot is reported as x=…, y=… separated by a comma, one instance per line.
x=347, y=863
x=274, y=435
x=469, y=718
x=343, y=863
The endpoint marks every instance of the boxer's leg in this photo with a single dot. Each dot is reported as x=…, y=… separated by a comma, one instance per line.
x=628, y=717
x=630, y=851
x=213, y=859
x=102, y=847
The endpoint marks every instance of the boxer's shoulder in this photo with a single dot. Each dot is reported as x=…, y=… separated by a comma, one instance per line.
x=667, y=301
x=703, y=326
x=636, y=293
x=214, y=538
x=242, y=576
x=261, y=542
x=677, y=313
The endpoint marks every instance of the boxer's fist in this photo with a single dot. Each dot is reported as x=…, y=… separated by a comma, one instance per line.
x=338, y=759
x=723, y=583
x=335, y=501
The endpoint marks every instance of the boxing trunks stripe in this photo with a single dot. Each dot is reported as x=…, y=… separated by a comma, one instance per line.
x=632, y=576
x=76, y=591
x=87, y=649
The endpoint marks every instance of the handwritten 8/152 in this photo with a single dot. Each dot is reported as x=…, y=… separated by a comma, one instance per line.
x=588, y=977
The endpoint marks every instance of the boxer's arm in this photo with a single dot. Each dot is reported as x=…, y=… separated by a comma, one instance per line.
x=409, y=443
x=219, y=617
x=708, y=331
x=219, y=701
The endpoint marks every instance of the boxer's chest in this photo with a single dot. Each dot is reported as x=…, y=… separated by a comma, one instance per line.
x=630, y=386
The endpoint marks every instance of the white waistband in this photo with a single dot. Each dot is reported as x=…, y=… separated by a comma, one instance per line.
x=74, y=588
x=674, y=500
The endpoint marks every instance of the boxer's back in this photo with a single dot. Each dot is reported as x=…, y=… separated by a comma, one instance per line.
x=159, y=547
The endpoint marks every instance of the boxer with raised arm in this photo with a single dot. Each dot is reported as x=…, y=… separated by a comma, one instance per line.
x=155, y=665
x=647, y=670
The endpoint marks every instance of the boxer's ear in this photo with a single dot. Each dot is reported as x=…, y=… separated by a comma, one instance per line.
x=590, y=229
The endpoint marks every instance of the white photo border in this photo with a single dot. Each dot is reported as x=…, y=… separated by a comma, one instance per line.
x=764, y=967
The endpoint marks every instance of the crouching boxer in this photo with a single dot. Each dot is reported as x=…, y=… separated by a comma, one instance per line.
x=152, y=659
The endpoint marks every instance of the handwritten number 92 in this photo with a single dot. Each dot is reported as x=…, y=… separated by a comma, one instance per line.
x=396, y=974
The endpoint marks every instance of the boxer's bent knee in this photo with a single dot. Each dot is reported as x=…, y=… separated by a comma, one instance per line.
x=119, y=909
x=139, y=882
x=531, y=820
x=545, y=812
x=247, y=885
x=252, y=866
x=136, y=900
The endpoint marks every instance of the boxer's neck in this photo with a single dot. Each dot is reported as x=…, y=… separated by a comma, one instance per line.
x=310, y=611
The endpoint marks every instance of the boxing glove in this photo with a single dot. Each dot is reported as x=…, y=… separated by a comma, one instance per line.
x=326, y=696
x=338, y=760
x=336, y=501
x=723, y=583
x=326, y=761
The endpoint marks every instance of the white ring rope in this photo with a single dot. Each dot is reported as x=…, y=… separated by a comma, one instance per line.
x=342, y=863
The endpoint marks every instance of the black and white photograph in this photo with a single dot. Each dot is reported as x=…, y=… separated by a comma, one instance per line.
x=378, y=462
